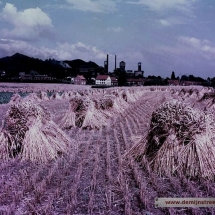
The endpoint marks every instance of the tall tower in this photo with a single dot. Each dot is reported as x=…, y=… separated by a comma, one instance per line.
x=122, y=65
x=106, y=65
x=139, y=67
x=139, y=72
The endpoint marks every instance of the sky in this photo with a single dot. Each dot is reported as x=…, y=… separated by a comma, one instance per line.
x=164, y=35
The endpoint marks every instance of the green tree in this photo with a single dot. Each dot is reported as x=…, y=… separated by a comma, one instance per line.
x=173, y=75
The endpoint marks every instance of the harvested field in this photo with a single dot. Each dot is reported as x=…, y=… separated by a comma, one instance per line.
x=101, y=173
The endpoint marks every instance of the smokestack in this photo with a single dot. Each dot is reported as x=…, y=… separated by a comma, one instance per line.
x=107, y=63
x=115, y=62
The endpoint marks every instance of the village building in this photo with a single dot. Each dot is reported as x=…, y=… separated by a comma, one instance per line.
x=173, y=82
x=26, y=77
x=114, y=81
x=129, y=74
x=80, y=80
x=190, y=83
x=135, y=81
x=42, y=77
x=103, y=80
x=2, y=73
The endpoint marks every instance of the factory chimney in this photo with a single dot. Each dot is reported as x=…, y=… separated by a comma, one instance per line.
x=115, y=62
x=107, y=64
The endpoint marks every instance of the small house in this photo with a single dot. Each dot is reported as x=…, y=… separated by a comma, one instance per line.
x=173, y=82
x=80, y=80
x=190, y=83
x=135, y=81
x=114, y=81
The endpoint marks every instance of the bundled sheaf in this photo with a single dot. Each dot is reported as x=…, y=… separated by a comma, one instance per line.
x=82, y=107
x=43, y=96
x=67, y=95
x=208, y=98
x=194, y=93
x=29, y=133
x=85, y=113
x=55, y=95
x=15, y=98
x=105, y=102
x=32, y=97
x=128, y=96
x=181, y=140
x=90, y=111
x=210, y=95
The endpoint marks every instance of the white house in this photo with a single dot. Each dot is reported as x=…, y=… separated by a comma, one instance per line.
x=103, y=80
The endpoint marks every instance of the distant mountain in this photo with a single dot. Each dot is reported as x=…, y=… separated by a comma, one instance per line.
x=16, y=63
x=16, y=58
x=78, y=63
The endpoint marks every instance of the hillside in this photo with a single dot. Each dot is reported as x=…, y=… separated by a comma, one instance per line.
x=16, y=63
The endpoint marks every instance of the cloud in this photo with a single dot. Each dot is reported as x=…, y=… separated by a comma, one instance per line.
x=196, y=43
x=63, y=51
x=79, y=50
x=29, y=24
x=172, y=21
x=203, y=47
x=164, y=22
x=9, y=47
x=97, y=6
x=159, y=5
x=116, y=29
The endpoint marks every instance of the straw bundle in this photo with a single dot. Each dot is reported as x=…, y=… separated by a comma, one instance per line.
x=66, y=95
x=5, y=141
x=78, y=109
x=86, y=113
x=29, y=133
x=43, y=96
x=182, y=92
x=32, y=97
x=208, y=99
x=128, y=96
x=105, y=102
x=195, y=94
x=15, y=98
x=177, y=92
x=181, y=140
x=210, y=95
x=202, y=92
x=55, y=95
x=80, y=106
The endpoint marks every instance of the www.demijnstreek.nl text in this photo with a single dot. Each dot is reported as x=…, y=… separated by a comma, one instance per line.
x=185, y=202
